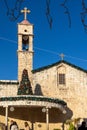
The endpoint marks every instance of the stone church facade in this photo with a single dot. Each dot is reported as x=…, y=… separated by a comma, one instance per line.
x=46, y=97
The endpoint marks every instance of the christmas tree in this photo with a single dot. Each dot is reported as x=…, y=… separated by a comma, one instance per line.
x=25, y=85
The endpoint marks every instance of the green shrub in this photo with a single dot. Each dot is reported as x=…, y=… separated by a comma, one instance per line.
x=71, y=127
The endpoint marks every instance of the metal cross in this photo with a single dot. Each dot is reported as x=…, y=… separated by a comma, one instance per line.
x=62, y=56
x=25, y=11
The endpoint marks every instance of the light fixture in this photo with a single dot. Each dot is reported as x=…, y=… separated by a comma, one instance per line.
x=12, y=109
x=64, y=112
x=43, y=109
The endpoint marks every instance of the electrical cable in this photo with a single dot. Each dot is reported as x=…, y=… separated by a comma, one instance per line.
x=48, y=51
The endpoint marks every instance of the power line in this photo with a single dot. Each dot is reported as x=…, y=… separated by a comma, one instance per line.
x=48, y=51
x=5, y=39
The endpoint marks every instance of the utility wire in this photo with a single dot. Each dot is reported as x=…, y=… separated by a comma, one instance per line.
x=48, y=51
x=5, y=39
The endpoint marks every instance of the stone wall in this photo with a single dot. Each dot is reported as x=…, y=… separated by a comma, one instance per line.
x=8, y=88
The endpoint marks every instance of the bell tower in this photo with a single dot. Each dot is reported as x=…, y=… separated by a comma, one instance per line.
x=25, y=46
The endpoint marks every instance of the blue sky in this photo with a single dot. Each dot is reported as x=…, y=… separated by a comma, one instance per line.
x=48, y=43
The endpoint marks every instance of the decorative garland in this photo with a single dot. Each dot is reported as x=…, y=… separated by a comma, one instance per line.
x=33, y=98
x=10, y=82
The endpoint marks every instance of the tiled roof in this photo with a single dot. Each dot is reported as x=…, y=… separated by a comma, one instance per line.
x=57, y=63
x=25, y=22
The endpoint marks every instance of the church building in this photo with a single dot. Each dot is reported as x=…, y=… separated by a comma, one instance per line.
x=46, y=97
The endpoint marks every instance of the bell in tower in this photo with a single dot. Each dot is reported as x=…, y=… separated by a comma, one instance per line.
x=25, y=43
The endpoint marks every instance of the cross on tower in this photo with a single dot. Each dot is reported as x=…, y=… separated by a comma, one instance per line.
x=25, y=11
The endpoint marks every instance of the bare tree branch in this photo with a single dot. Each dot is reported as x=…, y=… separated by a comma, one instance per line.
x=67, y=11
x=14, y=13
x=83, y=15
x=49, y=18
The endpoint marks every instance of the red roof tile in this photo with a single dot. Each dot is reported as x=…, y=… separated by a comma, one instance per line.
x=25, y=22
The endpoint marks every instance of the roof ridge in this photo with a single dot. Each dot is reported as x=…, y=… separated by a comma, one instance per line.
x=56, y=63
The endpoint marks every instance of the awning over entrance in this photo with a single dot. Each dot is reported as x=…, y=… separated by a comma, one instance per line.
x=32, y=100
